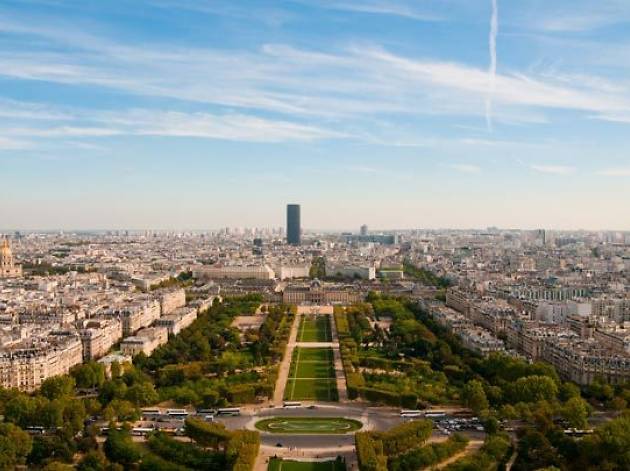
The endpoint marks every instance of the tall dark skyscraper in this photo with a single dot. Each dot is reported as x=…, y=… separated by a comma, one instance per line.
x=293, y=224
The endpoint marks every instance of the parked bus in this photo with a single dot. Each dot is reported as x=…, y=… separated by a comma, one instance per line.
x=206, y=411
x=432, y=414
x=151, y=412
x=291, y=404
x=36, y=430
x=229, y=411
x=141, y=431
x=177, y=413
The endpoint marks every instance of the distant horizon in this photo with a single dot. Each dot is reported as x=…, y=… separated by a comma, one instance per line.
x=304, y=230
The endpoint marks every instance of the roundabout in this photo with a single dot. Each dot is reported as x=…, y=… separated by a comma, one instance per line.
x=308, y=425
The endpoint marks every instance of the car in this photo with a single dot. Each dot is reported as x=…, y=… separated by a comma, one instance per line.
x=312, y=407
x=279, y=445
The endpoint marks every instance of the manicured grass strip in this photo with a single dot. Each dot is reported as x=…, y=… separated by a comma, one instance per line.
x=312, y=376
x=315, y=329
x=313, y=354
x=309, y=425
x=311, y=390
x=277, y=464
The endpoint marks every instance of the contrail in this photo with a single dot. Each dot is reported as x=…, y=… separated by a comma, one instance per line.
x=492, y=69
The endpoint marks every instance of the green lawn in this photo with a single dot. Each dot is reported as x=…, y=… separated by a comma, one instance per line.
x=311, y=390
x=313, y=354
x=277, y=464
x=309, y=425
x=311, y=376
x=315, y=328
x=307, y=369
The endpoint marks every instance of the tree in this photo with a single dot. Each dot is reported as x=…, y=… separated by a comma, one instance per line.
x=533, y=389
x=115, y=369
x=120, y=448
x=89, y=375
x=576, y=412
x=121, y=410
x=568, y=390
x=475, y=397
x=142, y=394
x=93, y=461
x=58, y=387
x=15, y=445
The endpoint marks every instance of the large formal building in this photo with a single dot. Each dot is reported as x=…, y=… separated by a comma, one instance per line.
x=293, y=224
x=8, y=268
x=317, y=293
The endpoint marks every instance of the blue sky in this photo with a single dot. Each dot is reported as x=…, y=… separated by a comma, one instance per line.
x=202, y=114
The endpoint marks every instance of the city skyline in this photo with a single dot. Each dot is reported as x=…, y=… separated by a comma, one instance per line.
x=176, y=115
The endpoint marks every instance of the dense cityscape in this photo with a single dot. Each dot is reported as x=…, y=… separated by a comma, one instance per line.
x=314, y=235
x=453, y=348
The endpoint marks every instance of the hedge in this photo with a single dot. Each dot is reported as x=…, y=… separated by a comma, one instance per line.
x=380, y=396
x=405, y=436
x=370, y=452
x=429, y=455
x=185, y=454
x=242, y=449
x=207, y=434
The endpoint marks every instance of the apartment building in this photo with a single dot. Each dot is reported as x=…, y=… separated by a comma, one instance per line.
x=259, y=272
x=351, y=271
x=177, y=320
x=582, y=361
x=138, y=315
x=481, y=341
x=616, y=338
x=171, y=300
x=146, y=340
x=27, y=365
x=98, y=336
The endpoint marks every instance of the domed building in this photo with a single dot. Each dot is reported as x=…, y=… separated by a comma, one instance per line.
x=8, y=269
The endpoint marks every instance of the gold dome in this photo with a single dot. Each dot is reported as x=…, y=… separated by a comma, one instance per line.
x=5, y=252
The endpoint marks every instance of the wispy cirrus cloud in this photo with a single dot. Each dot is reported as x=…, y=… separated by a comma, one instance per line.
x=553, y=169
x=583, y=15
x=404, y=9
x=358, y=81
x=145, y=122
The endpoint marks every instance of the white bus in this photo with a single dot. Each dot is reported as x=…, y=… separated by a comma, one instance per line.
x=291, y=404
x=229, y=411
x=411, y=413
x=432, y=414
x=142, y=431
x=177, y=413
x=151, y=412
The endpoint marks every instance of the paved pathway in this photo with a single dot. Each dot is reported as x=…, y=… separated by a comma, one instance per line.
x=339, y=373
x=285, y=365
x=471, y=448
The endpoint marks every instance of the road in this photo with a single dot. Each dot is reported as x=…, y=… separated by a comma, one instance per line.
x=373, y=418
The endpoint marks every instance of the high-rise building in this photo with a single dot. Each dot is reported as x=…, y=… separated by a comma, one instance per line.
x=293, y=224
x=364, y=230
